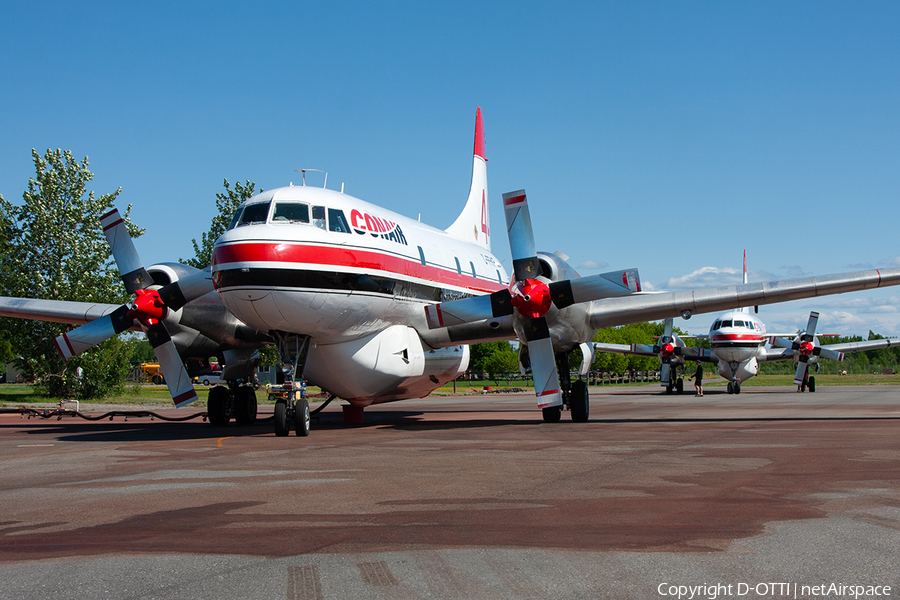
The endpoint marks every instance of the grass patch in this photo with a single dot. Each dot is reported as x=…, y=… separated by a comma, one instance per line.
x=16, y=394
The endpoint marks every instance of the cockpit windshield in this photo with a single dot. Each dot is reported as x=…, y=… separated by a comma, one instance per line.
x=236, y=218
x=291, y=212
x=254, y=214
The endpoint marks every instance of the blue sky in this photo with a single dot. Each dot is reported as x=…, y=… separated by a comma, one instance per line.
x=667, y=136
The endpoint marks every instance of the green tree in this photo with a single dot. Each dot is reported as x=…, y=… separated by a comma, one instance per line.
x=54, y=248
x=226, y=203
x=501, y=360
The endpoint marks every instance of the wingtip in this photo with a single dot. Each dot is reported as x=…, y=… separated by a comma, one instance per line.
x=479, y=135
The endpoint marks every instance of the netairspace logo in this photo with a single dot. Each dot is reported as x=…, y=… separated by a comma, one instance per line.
x=772, y=590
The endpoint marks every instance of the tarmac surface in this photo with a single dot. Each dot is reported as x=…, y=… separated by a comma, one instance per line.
x=466, y=497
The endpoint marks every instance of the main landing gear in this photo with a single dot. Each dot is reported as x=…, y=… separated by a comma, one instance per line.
x=734, y=387
x=237, y=400
x=675, y=387
x=574, y=395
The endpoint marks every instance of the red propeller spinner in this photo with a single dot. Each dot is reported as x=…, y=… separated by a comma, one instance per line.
x=531, y=298
x=148, y=307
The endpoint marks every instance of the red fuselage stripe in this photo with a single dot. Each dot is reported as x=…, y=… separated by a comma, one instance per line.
x=300, y=254
x=735, y=337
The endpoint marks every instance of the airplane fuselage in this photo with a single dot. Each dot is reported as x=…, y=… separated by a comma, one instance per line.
x=353, y=277
x=736, y=340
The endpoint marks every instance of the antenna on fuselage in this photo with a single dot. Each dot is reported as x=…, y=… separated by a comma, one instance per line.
x=303, y=171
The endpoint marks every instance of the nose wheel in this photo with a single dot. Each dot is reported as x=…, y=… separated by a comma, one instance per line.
x=294, y=415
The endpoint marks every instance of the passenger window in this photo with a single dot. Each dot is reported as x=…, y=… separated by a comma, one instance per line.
x=255, y=213
x=318, y=215
x=337, y=221
x=291, y=212
x=236, y=218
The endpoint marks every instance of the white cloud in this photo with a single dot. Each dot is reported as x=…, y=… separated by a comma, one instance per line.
x=705, y=277
x=890, y=261
x=593, y=264
x=794, y=271
x=862, y=304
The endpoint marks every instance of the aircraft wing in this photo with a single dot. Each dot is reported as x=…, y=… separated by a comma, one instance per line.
x=777, y=354
x=848, y=347
x=685, y=352
x=637, y=349
x=56, y=311
x=637, y=308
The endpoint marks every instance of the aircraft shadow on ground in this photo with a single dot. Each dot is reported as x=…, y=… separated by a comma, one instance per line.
x=143, y=430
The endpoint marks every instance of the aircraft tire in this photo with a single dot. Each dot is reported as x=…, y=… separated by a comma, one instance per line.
x=679, y=386
x=301, y=417
x=245, y=406
x=737, y=388
x=670, y=389
x=580, y=403
x=552, y=414
x=281, y=420
x=730, y=388
x=811, y=384
x=217, y=406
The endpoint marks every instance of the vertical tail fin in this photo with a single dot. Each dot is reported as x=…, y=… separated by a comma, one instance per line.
x=474, y=222
x=746, y=309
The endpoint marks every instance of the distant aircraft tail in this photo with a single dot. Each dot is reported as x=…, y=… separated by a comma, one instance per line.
x=746, y=309
x=473, y=225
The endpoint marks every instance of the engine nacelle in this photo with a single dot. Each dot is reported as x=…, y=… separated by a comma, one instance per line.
x=204, y=327
x=393, y=364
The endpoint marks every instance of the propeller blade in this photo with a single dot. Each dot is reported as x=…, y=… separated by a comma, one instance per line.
x=668, y=326
x=781, y=342
x=801, y=370
x=826, y=352
x=468, y=310
x=805, y=347
x=521, y=236
x=811, y=326
x=97, y=331
x=134, y=275
x=177, y=380
x=543, y=363
x=596, y=287
x=178, y=293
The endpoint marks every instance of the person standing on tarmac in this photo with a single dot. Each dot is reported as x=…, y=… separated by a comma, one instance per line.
x=698, y=380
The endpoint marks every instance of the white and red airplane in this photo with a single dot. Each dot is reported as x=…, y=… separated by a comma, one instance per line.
x=375, y=307
x=738, y=344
